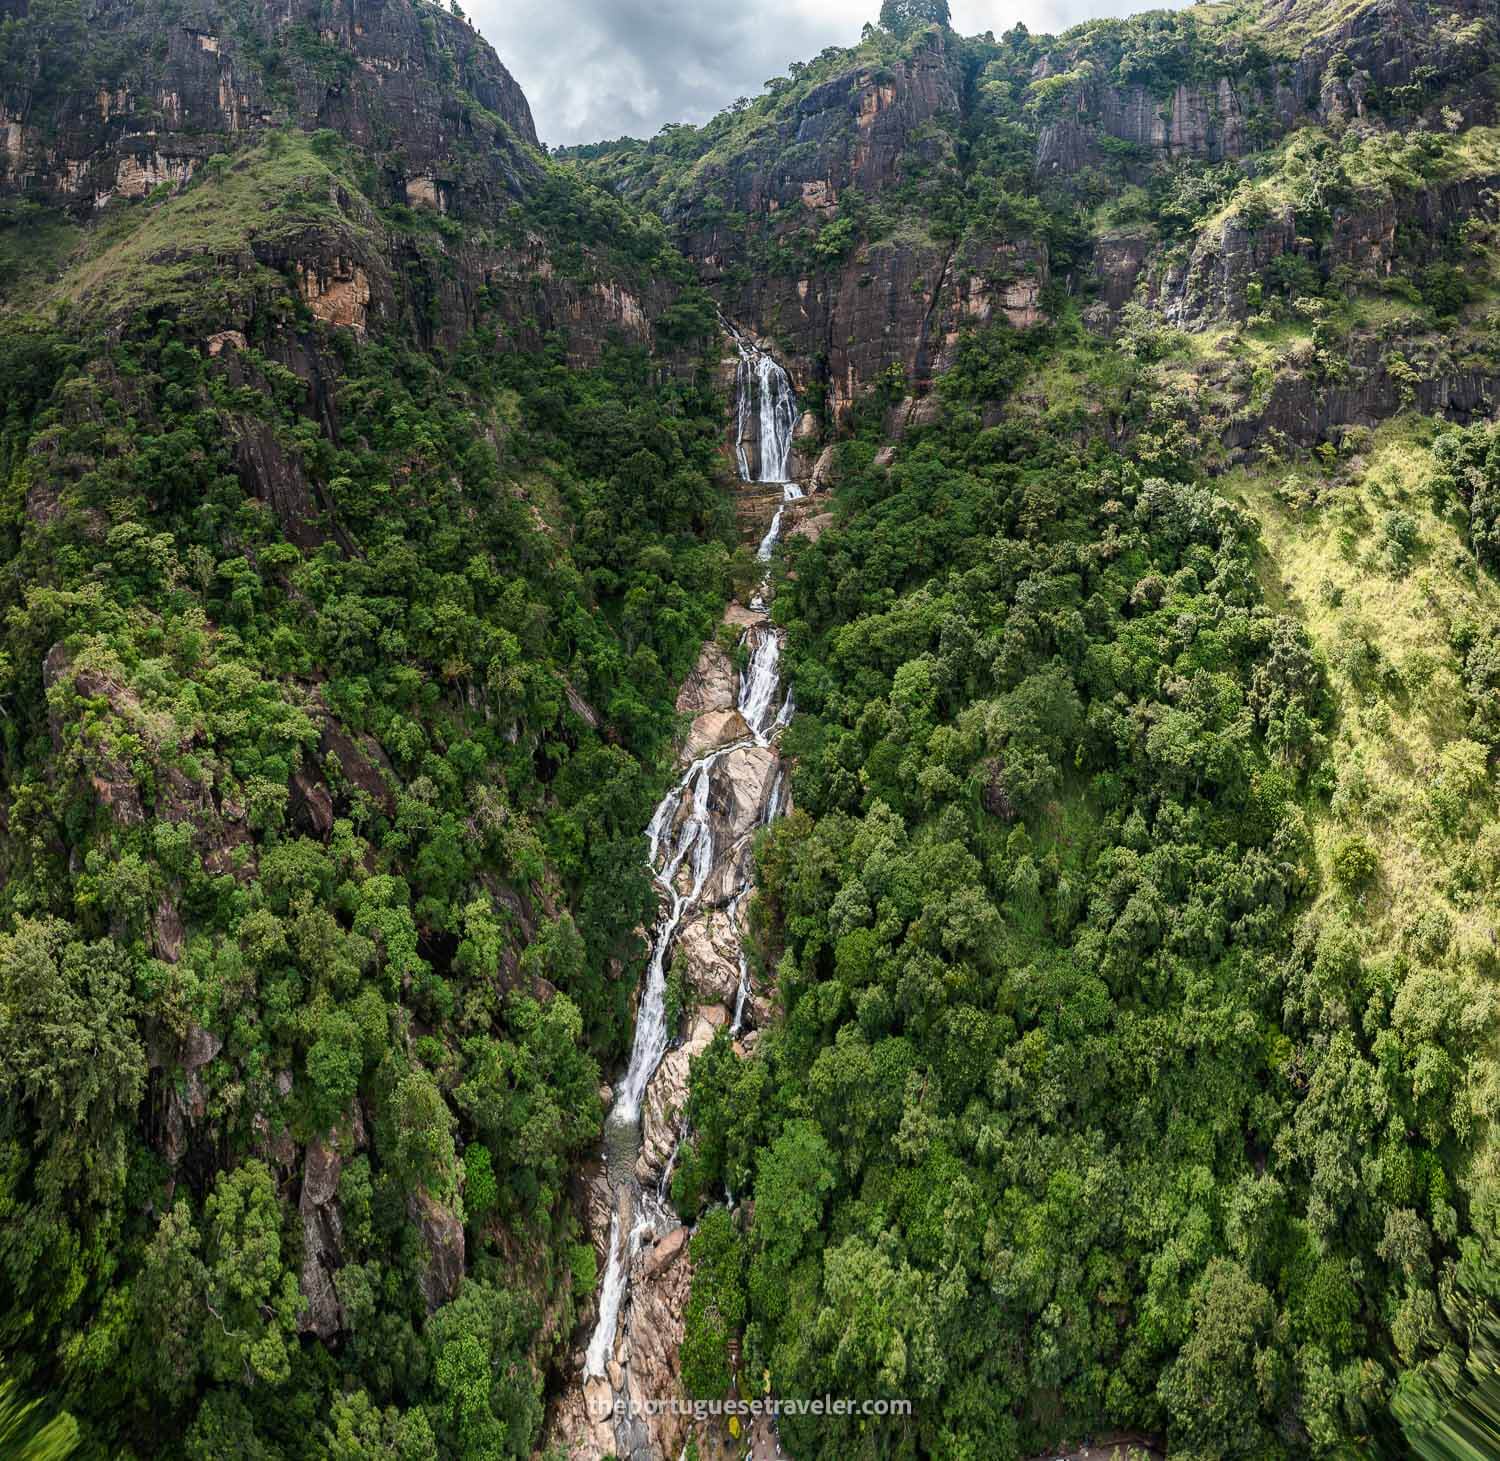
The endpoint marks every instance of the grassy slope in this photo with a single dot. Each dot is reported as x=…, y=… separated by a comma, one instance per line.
x=1409, y=780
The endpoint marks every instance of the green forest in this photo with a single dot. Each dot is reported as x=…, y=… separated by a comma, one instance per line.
x=1129, y=951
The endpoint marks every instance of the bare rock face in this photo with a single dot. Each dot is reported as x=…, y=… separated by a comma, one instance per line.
x=661, y=1281
x=167, y=933
x=198, y=86
x=666, y=1096
x=1224, y=262
x=708, y=945
x=740, y=790
x=1119, y=260
x=443, y=1236
x=322, y=1228
x=713, y=730
x=187, y=1101
x=812, y=526
x=712, y=685
x=893, y=304
x=275, y=476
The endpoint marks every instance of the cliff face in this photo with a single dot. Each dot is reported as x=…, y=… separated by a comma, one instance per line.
x=887, y=309
x=891, y=199
x=119, y=104
x=443, y=201
x=1255, y=91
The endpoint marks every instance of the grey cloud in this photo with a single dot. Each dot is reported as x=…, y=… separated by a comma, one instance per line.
x=595, y=69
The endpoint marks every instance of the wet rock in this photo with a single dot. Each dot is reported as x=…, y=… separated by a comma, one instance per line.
x=739, y=789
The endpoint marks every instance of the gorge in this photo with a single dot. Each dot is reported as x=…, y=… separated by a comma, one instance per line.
x=457, y=1000
x=698, y=847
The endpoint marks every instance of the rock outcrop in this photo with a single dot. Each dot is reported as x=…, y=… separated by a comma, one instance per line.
x=200, y=86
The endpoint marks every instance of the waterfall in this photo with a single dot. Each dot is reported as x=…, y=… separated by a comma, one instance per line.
x=681, y=836
x=768, y=403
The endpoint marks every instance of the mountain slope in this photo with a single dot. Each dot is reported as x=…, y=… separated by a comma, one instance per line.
x=331, y=713
x=1122, y=1009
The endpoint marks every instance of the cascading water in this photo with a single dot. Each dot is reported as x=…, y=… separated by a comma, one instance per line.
x=683, y=857
x=767, y=403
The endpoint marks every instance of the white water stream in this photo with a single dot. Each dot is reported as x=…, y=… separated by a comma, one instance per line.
x=681, y=836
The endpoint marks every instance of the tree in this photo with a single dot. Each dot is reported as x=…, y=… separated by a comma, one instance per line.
x=252, y=1297
x=1225, y=1381
x=69, y=1051
x=902, y=17
x=490, y=1403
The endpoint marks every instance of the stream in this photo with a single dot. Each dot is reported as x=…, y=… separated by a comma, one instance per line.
x=696, y=867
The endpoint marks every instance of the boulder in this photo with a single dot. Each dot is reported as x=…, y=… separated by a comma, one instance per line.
x=712, y=730
x=712, y=684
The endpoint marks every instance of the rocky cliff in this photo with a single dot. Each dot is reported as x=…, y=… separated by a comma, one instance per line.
x=123, y=101
x=886, y=200
x=443, y=204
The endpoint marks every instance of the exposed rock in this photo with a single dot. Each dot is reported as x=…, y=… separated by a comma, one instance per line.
x=443, y=1237
x=712, y=684
x=273, y=1145
x=1119, y=260
x=338, y=294
x=200, y=1047
x=739, y=789
x=822, y=472
x=187, y=1103
x=812, y=527
x=713, y=729
x=665, y=1098
x=658, y=1303
x=167, y=933
x=361, y=762
x=187, y=93
x=311, y=804
x=269, y=472
x=708, y=947
x=322, y=1228
x=581, y=708
x=662, y=1255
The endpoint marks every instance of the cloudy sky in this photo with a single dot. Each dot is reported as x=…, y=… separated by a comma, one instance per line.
x=597, y=69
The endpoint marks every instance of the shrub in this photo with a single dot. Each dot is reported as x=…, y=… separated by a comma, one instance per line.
x=1354, y=865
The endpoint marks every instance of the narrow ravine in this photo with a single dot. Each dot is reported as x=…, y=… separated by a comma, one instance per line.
x=698, y=845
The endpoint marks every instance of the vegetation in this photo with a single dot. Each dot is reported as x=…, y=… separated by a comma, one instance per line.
x=1132, y=943
x=345, y=738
